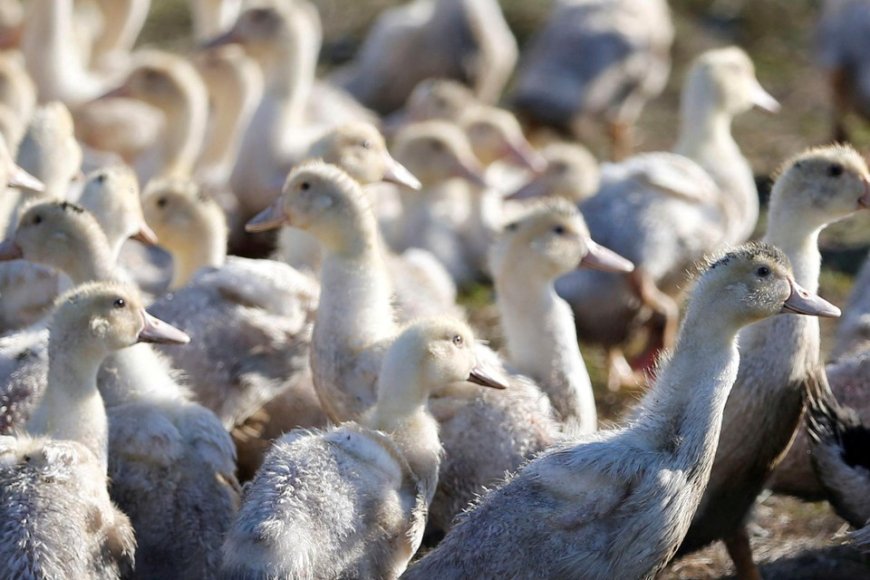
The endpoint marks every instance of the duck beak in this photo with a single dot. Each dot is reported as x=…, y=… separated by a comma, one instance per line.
x=600, y=258
x=471, y=172
x=801, y=301
x=524, y=155
x=9, y=251
x=159, y=332
x=864, y=200
x=533, y=188
x=145, y=235
x=763, y=100
x=18, y=177
x=121, y=92
x=271, y=218
x=228, y=37
x=399, y=174
x=479, y=375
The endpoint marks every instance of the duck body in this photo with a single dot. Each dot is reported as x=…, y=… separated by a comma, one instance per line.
x=481, y=51
x=58, y=520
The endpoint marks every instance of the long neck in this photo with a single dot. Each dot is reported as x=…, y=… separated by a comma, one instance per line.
x=682, y=414
x=232, y=106
x=799, y=242
x=406, y=419
x=209, y=249
x=210, y=18
x=356, y=307
x=184, y=134
x=704, y=126
x=542, y=343
x=290, y=73
x=92, y=263
x=123, y=22
x=71, y=407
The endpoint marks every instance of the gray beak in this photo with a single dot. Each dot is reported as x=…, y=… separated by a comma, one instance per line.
x=269, y=219
x=483, y=377
x=159, y=332
x=801, y=301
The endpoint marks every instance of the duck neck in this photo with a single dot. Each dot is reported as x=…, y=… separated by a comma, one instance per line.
x=682, y=413
x=233, y=104
x=48, y=46
x=290, y=71
x=541, y=342
x=210, y=18
x=210, y=250
x=799, y=241
x=704, y=126
x=71, y=407
x=406, y=419
x=92, y=263
x=356, y=306
x=123, y=21
x=184, y=133
x=137, y=374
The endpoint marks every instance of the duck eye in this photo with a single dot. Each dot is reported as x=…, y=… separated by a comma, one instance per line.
x=559, y=230
x=304, y=186
x=367, y=144
x=101, y=178
x=458, y=340
x=162, y=202
x=763, y=272
x=512, y=227
x=119, y=303
x=37, y=219
x=835, y=170
x=436, y=146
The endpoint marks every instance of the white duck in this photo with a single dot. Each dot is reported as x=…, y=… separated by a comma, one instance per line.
x=213, y=17
x=616, y=504
x=541, y=342
x=54, y=478
x=596, y=61
x=664, y=211
x=780, y=357
x=352, y=500
x=571, y=173
x=407, y=45
x=17, y=97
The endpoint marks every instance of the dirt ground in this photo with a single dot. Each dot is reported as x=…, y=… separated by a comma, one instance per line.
x=790, y=539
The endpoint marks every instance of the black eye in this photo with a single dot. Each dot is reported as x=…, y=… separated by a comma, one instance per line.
x=119, y=303
x=101, y=178
x=512, y=227
x=559, y=230
x=458, y=341
x=37, y=219
x=162, y=202
x=436, y=146
x=304, y=186
x=367, y=144
x=763, y=272
x=835, y=170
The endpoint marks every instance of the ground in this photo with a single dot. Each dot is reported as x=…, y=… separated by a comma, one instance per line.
x=791, y=539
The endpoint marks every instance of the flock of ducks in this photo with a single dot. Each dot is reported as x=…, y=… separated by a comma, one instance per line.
x=304, y=396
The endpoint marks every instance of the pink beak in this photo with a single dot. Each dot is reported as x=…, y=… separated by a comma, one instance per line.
x=801, y=301
x=269, y=219
x=145, y=235
x=159, y=332
x=601, y=258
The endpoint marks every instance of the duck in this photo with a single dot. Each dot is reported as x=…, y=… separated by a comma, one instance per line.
x=357, y=321
x=121, y=23
x=540, y=337
x=483, y=57
x=253, y=315
x=838, y=444
x=17, y=97
x=616, y=503
x=841, y=26
x=170, y=84
x=571, y=172
x=439, y=154
x=781, y=357
x=54, y=475
x=693, y=191
x=351, y=500
x=625, y=61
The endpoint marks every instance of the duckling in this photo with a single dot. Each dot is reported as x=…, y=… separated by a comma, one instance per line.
x=482, y=55
x=438, y=98
x=54, y=478
x=596, y=61
x=352, y=500
x=541, y=340
x=571, y=173
x=436, y=152
x=255, y=316
x=664, y=211
x=170, y=84
x=355, y=325
x=616, y=504
x=839, y=450
x=212, y=17
x=780, y=357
